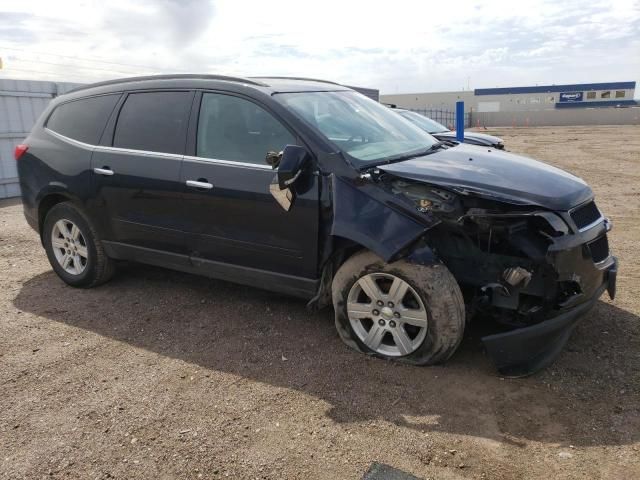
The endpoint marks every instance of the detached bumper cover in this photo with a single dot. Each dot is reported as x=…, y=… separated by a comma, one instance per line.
x=527, y=350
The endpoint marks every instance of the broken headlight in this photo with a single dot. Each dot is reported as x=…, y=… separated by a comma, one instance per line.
x=428, y=198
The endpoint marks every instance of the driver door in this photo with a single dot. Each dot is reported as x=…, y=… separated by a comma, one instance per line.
x=233, y=221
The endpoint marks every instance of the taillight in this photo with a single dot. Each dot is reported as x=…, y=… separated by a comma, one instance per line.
x=20, y=150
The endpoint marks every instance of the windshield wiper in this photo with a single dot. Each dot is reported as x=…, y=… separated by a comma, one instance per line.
x=436, y=146
x=401, y=158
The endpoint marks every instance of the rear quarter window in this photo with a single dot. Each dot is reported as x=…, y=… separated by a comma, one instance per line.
x=154, y=122
x=84, y=119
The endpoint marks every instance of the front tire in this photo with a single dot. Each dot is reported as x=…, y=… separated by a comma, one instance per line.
x=400, y=311
x=73, y=247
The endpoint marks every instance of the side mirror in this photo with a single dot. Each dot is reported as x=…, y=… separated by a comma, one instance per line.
x=273, y=158
x=291, y=164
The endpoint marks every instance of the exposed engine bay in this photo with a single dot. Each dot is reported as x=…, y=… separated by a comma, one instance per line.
x=525, y=241
x=515, y=263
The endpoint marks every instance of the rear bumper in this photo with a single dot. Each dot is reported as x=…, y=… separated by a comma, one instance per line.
x=30, y=216
x=526, y=350
x=31, y=220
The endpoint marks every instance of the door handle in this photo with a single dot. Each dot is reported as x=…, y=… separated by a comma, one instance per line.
x=103, y=171
x=202, y=183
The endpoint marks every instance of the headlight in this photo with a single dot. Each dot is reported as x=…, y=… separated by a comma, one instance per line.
x=428, y=198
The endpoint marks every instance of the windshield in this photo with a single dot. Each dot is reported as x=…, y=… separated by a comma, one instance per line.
x=423, y=122
x=364, y=129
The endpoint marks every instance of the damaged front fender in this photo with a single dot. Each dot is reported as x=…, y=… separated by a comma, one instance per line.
x=367, y=215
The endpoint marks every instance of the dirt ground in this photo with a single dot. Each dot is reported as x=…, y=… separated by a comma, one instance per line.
x=161, y=374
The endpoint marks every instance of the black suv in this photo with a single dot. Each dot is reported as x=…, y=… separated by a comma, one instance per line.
x=309, y=188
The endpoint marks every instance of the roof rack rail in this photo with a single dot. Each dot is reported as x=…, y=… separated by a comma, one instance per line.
x=298, y=78
x=170, y=77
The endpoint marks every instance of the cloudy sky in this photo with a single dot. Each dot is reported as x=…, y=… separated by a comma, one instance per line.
x=396, y=46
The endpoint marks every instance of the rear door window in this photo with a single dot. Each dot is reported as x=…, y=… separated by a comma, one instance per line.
x=84, y=119
x=232, y=128
x=154, y=122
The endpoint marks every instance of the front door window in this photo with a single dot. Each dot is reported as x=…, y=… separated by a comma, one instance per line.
x=234, y=129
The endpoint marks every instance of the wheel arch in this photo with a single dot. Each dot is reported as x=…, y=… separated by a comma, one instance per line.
x=340, y=251
x=51, y=197
x=46, y=204
x=418, y=253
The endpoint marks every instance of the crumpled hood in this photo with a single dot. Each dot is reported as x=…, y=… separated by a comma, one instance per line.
x=479, y=137
x=503, y=175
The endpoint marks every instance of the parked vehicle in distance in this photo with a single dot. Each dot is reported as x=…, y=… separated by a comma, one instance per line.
x=309, y=188
x=443, y=133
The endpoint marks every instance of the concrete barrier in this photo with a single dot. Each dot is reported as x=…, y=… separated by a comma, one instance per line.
x=581, y=116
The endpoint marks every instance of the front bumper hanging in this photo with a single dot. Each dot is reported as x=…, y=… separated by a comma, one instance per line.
x=527, y=350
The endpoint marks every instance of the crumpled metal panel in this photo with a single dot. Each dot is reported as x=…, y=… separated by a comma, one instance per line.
x=370, y=222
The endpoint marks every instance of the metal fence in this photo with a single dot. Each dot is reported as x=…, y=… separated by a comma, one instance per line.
x=21, y=103
x=445, y=117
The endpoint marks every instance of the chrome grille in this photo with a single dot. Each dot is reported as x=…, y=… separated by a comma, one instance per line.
x=585, y=215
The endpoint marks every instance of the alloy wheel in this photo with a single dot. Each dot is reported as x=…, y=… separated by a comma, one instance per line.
x=69, y=246
x=387, y=314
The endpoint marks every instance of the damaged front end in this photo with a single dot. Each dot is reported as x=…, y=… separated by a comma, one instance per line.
x=533, y=270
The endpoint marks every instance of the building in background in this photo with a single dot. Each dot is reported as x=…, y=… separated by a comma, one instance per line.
x=520, y=99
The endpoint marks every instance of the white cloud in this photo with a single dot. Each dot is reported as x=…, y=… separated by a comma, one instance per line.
x=395, y=46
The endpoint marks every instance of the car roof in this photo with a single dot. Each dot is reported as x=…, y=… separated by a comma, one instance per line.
x=280, y=84
x=267, y=85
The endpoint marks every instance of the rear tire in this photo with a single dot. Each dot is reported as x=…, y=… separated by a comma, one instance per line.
x=417, y=315
x=74, y=248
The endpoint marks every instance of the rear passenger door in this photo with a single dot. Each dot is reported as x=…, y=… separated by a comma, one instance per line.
x=74, y=129
x=232, y=217
x=137, y=170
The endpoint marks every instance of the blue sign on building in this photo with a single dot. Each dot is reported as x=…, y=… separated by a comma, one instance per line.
x=571, y=96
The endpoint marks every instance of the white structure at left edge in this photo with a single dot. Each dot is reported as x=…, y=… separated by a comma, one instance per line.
x=21, y=103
